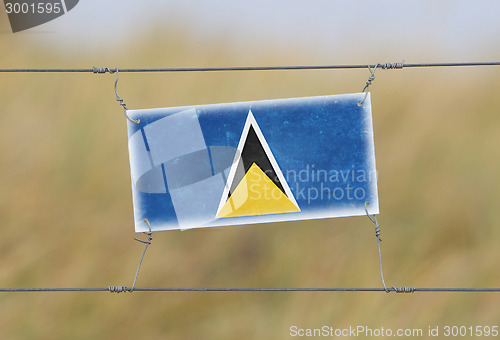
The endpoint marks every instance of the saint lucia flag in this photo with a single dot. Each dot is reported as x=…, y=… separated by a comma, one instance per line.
x=252, y=162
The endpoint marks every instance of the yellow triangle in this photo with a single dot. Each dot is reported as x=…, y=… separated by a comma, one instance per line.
x=256, y=194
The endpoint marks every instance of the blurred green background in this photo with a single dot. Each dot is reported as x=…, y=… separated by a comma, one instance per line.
x=66, y=207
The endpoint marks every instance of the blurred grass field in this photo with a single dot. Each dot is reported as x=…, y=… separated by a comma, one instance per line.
x=66, y=207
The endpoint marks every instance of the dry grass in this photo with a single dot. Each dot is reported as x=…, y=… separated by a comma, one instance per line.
x=66, y=210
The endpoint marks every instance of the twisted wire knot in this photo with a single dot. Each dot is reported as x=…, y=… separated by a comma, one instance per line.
x=392, y=66
x=369, y=81
x=118, y=289
x=403, y=289
x=103, y=70
x=378, y=232
x=374, y=221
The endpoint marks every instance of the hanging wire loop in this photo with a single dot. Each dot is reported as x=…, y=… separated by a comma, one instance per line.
x=379, y=239
x=373, y=218
x=122, y=103
x=102, y=70
x=122, y=289
x=371, y=78
x=147, y=243
x=368, y=83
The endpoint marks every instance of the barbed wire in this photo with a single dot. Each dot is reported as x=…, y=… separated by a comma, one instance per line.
x=385, y=66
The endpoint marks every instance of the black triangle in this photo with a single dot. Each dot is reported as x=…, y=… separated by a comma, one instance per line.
x=253, y=152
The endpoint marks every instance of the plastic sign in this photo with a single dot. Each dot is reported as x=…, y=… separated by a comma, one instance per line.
x=252, y=162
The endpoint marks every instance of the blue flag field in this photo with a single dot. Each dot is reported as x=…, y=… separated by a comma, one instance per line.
x=252, y=162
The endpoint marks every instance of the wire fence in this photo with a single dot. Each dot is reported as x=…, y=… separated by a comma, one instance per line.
x=397, y=65
x=371, y=67
x=123, y=289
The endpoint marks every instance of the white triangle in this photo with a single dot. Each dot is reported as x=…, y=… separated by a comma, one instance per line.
x=252, y=122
